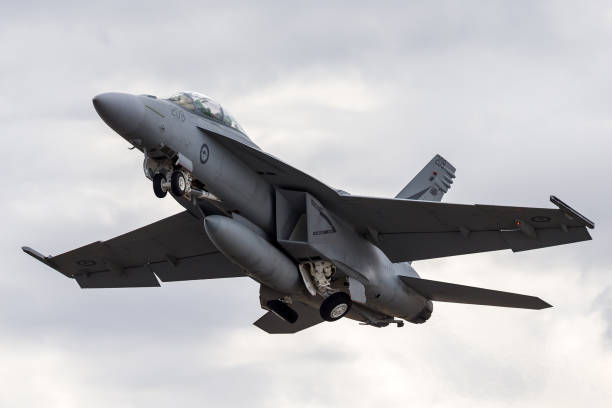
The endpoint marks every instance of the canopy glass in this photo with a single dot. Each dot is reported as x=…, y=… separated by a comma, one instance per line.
x=207, y=107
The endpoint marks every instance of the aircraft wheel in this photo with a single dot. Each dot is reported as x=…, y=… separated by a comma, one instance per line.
x=158, y=180
x=178, y=183
x=335, y=306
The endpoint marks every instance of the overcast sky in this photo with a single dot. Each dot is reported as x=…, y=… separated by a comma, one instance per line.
x=516, y=95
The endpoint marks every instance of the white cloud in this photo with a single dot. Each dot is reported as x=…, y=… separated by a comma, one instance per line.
x=360, y=96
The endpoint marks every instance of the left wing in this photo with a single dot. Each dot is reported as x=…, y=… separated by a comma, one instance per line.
x=173, y=249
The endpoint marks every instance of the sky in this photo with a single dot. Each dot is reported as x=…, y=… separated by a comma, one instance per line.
x=516, y=95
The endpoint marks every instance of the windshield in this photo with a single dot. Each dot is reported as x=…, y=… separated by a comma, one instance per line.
x=203, y=105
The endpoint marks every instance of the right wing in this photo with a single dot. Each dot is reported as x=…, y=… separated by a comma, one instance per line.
x=173, y=249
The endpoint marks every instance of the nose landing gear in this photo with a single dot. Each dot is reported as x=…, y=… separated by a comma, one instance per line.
x=159, y=181
x=168, y=175
x=179, y=184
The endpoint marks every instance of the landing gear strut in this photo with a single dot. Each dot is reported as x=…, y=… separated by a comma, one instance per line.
x=335, y=306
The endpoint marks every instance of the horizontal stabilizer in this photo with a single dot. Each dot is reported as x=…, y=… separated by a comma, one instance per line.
x=450, y=292
x=274, y=324
x=307, y=317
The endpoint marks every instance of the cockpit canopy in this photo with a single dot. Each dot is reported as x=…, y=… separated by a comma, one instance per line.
x=207, y=107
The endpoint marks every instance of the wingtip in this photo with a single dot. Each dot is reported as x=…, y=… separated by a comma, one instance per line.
x=40, y=257
x=571, y=212
x=32, y=252
x=544, y=304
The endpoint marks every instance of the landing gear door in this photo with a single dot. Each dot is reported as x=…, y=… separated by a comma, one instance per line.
x=357, y=290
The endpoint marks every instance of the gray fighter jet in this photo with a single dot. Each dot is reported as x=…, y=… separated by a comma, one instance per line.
x=319, y=254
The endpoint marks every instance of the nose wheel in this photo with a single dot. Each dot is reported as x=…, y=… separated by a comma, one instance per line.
x=178, y=183
x=335, y=306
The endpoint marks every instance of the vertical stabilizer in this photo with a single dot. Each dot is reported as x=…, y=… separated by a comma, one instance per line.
x=431, y=183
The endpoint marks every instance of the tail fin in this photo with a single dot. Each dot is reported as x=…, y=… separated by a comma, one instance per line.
x=450, y=292
x=431, y=183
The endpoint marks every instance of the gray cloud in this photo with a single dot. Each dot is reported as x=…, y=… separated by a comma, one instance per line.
x=603, y=306
x=361, y=96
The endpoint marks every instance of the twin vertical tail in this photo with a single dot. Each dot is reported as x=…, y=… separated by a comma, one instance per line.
x=431, y=183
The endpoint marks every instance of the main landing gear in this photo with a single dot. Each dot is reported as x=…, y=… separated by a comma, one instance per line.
x=335, y=306
x=317, y=277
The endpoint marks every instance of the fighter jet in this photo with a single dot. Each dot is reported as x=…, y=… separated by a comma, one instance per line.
x=318, y=253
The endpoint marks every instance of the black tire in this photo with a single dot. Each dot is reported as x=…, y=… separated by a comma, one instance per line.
x=178, y=183
x=158, y=180
x=331, y=309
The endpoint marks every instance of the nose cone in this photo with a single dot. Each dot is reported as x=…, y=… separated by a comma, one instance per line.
x=122, y=112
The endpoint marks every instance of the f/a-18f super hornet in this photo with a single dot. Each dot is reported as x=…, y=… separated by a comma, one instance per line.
x=318, y=253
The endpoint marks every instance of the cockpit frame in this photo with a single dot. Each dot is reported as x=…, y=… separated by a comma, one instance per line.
x=207, y=107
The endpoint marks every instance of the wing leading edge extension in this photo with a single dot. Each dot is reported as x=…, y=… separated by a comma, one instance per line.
x=173, y=249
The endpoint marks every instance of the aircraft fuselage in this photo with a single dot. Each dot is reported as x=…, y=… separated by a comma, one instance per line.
x=173, y=138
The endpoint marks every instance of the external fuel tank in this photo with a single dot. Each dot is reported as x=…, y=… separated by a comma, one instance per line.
x=255, y=254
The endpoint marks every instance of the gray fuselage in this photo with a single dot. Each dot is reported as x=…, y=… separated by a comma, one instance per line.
x=161, y=129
